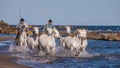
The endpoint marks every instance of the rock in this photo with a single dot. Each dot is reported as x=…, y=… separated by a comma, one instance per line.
x=7, y=29
x=104, y=36
x=93, y=35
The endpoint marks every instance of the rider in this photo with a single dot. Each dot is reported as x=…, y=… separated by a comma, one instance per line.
x=49, y=25
x=20, y=26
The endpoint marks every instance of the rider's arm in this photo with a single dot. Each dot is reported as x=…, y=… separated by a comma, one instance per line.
x=53, y=26
x=44, y=28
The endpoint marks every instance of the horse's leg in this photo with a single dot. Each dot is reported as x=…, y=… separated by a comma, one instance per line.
x=48, y=50
x=85, y=45
x=21, y=43
x=40, y=49
x=71, y=49
x=64, y=50
x=78, y=51
x=17, y=42
x=25, y=43
x=53, y=51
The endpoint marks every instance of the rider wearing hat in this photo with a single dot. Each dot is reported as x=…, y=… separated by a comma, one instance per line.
x=20, y=26
x=49, y=25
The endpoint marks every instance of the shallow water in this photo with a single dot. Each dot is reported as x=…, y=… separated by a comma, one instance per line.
x=99, y=54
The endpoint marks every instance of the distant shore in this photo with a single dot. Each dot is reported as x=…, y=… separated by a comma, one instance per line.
x=96, y=35
x=108, y=35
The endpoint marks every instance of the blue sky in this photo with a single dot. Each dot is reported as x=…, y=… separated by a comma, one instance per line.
x=62, y=12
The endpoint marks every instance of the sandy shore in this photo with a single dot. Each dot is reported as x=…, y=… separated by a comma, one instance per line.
x=7, y=62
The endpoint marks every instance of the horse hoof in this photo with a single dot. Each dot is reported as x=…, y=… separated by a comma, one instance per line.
x=76, y=54
x=47, y=53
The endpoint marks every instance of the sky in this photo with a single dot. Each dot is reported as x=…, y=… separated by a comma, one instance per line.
x=62, y=12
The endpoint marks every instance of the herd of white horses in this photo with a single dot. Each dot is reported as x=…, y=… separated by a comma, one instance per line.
x=46, y=41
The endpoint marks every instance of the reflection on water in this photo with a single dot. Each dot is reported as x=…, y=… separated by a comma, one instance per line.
x=98, y=54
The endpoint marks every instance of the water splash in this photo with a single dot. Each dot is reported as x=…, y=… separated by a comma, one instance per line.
x=14, y=48
x=95, y=58
x=60, y=52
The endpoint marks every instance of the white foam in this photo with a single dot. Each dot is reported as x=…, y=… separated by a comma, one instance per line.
x=14, y=48
x=26, y=52
x=85, y=54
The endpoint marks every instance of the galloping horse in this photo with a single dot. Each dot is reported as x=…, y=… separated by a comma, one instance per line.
x=22, y=38
x=32, y=41
x=84, y=42
x=47, y=41
x=73, y=43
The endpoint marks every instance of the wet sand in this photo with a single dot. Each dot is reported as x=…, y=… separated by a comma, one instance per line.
x=7, y=62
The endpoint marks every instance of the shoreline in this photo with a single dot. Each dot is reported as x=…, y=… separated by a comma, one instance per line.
x=7, y=62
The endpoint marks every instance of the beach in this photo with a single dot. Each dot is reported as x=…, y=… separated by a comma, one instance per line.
x=7, y=61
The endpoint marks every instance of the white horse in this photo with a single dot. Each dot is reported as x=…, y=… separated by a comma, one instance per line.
x=73, y=43
x=84, y=42
x=32, y=41
x=47, y=41
x=78, y=42
x=22, y=38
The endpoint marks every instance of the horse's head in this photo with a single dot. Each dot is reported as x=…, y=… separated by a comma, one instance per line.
x=84, y=33
x=49, y=31
x=81, y=32
x=78, y=33
x=36, y=30
x=56, y=33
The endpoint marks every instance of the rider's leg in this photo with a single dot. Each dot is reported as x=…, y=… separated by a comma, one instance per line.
x=17, y=39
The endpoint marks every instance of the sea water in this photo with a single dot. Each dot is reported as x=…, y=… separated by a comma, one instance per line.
x=98, y=54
